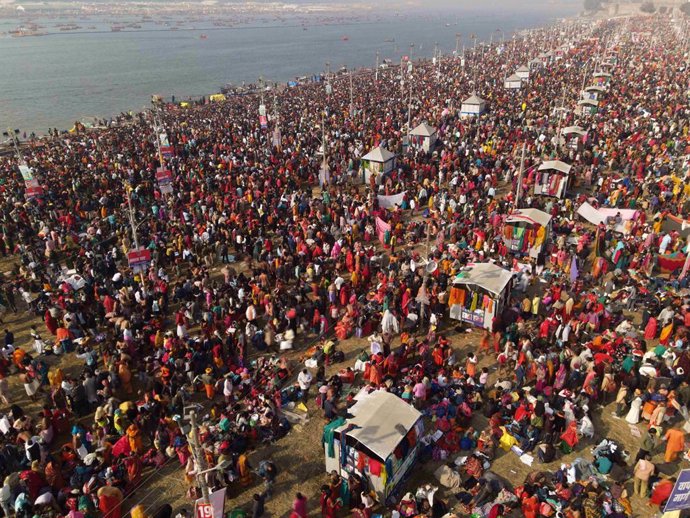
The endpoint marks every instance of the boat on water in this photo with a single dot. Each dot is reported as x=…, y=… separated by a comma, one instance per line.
x=389, y=40
x=203, y=37
x=345, y=38
x=115, y=28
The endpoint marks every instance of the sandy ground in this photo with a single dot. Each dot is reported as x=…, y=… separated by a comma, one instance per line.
x=299, y=456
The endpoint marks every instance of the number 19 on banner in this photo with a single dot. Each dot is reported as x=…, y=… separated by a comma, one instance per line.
x=204, y=510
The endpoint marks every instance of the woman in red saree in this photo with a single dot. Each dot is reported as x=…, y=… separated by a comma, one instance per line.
x=650, y=329
x=110, y=501
x=329, y=505
x=569, y=437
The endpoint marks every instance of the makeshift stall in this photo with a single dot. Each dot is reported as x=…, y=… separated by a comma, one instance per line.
x=523, y=73
x=593, y=92
x=588, y=106
x=513, y=82
x=526, y=231
x=536, y=64
x=601, y=78
x=572, y=135
x=546, y=57
x=378, y=161
x=423, y=137
x=473, y=105
x=380, y=443
x=618, y=220
x=479, y=293
x=552, y=179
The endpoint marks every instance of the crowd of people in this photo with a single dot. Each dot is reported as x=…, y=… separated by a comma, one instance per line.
x=271, y=240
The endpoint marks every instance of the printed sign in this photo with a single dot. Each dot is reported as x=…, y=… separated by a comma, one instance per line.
x=680, y=495
x=204, y=510
x=139, y=260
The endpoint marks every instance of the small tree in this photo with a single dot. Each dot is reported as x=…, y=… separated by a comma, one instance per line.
x=647, y=7
x=685, y=8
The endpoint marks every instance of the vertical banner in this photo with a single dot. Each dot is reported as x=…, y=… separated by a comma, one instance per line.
x=216, y=505
x=26, y=172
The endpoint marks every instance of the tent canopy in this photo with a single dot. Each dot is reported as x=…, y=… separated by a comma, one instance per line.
x=379, y=154
x=601, y=74
x=588, y=102
x=474, y=99
x=423, y=130
x=577, y=130
x=382, y=420
x=514, y=78
x=529, y=216
x=523, y=68
x=595, y=88
x=492, y=278
x=557, y=165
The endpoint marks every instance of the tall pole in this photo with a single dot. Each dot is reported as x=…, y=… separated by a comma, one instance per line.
x=458, y=37
x=13, y=135
x=560, y=122
x=261, y=88
x=352, y=103
x=199, y=461
x=409, y=109
x=376, y=73
x=323, y=141
x=128, y=191
x=518, y=191
x=157, y=129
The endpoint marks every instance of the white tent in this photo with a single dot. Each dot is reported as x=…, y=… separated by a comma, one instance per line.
x=378, y=161
x=557, y=165
x=588, y=106
x=606, y=215
x=473, y=105
x=552, y=178
x=382, y=424
x=467, y=302
x=574, y=130
x=526, y=236
x=423, y=136
x=523, y=72
x=571, y=135
x=530, y=216
x=513, y=82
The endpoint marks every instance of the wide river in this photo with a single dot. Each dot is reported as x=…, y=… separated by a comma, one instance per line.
x=53, y=80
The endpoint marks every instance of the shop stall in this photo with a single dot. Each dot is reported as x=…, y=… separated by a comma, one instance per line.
x=473, y=106
x=479, y=293
x=380, y=442
x=526, y=232
x=379, y=161
x=423, y=137
x=552, y=179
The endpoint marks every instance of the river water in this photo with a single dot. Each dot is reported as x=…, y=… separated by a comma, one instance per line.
x=53, y=80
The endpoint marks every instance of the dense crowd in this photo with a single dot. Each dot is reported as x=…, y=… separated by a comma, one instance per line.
x=257, y=251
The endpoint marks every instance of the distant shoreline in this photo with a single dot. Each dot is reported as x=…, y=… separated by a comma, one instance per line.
x=283, y=81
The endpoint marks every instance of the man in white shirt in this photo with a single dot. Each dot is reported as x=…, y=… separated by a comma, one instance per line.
x=228, y=388
x=304, y=380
